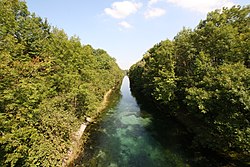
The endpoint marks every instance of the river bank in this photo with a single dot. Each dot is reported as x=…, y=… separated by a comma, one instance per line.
x=80, y=137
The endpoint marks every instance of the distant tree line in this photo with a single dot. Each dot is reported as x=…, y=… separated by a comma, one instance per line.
x=48, y=83
x=202, y=77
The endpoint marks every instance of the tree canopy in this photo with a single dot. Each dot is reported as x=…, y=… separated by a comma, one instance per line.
x=204, y=75
x=48, y=83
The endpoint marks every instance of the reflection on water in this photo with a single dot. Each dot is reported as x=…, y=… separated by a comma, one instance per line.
x=127, y=136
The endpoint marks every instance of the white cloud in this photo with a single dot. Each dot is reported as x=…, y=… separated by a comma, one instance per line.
x=154, y=12
x=125, y=24
x=120, y=10
x=151, y=2
x=202, y=5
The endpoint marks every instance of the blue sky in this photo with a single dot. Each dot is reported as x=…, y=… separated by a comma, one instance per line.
x=126, y=29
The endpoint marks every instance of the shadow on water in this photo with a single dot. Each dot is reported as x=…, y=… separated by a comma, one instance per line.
x=133, y=133
x=175, y=136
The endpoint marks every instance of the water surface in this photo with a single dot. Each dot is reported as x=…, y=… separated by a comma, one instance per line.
x=128, y=136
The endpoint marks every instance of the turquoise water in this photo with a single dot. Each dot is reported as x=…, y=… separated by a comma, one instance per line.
x=128, y=136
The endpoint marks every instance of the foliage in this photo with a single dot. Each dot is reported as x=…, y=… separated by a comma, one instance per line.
x=204, y=73
x=48, y=83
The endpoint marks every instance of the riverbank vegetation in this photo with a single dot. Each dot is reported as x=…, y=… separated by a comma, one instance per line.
x=48, y=83
x=202, y=78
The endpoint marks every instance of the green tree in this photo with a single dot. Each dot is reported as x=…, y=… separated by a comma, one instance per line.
x=203, y=76
x=48, y=84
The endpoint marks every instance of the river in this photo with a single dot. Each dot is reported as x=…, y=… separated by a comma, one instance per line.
x=127, y=135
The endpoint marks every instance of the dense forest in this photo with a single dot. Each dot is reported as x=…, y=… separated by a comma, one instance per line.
x=202, y=78
x=48, y=84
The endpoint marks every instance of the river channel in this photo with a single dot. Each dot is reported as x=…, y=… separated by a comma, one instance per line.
x=131, y=132
x=127, y=135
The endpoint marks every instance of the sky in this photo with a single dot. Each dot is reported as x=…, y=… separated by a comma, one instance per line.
x=126, y=29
